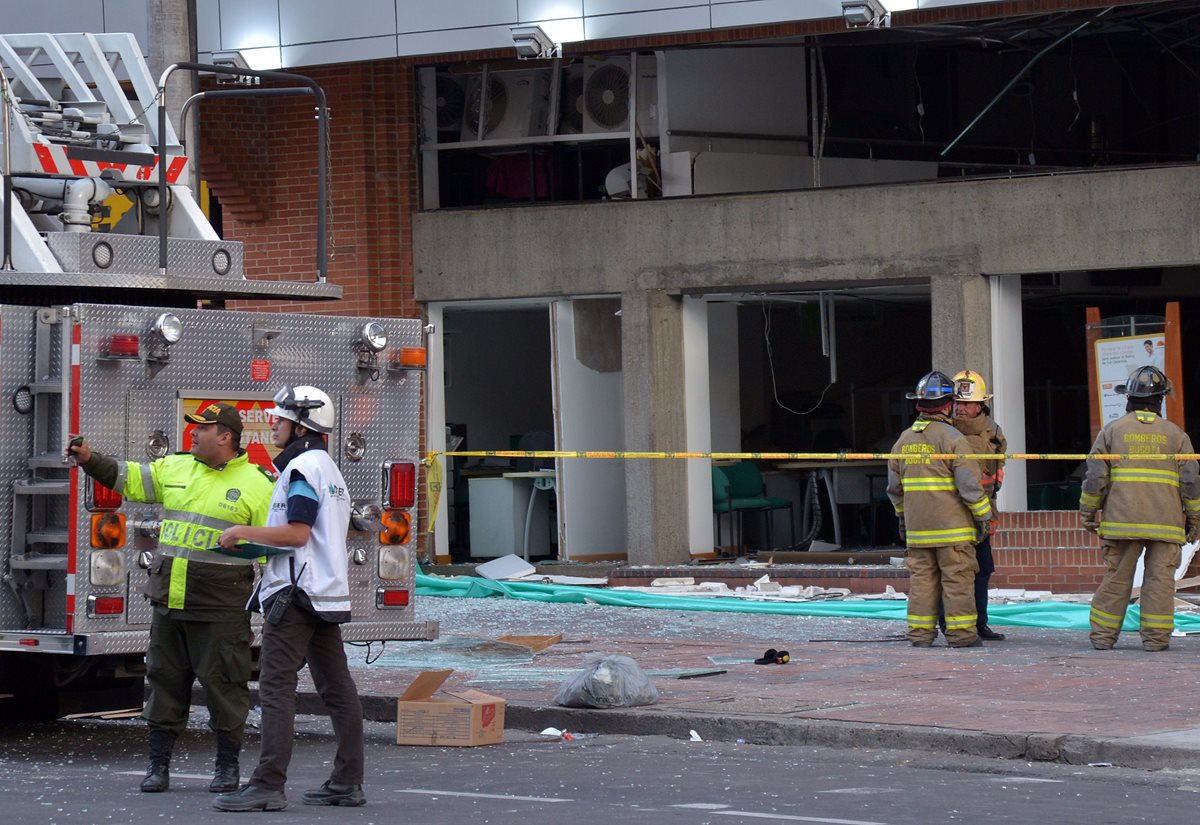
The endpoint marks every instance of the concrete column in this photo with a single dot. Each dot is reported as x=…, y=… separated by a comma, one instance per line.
x=1008, y=384
x=652, y=384
x=698, y=407
x=172, y=30
x=435, y=431
x=961, y=310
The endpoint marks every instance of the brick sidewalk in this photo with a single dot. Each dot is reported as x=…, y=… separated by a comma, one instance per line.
x=1042, y=682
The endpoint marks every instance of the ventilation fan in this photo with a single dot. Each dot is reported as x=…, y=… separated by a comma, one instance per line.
x=571, y=108
x=606, y=96
x=497, y=104
x=451, y=102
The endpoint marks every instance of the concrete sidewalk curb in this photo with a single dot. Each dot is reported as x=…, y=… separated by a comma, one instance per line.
x=1177, y=749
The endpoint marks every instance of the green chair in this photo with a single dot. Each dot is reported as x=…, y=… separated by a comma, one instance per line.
x=723, y=503
x=747, y=492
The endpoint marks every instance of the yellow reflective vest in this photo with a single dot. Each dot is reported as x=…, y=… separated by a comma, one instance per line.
x=198, y=503
x=940, y=500
x=1149, y=498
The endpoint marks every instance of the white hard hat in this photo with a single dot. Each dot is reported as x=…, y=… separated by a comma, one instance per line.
x=305, y=405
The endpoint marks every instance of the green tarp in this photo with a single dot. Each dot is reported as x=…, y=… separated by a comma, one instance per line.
x=1035, y=614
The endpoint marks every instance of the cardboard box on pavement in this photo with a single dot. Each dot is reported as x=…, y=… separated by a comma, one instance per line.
x=455, y=718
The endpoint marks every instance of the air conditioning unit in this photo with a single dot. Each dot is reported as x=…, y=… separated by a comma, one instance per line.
x=517, y=104
x=606, y=86
x=570, y=101
x=450, y=104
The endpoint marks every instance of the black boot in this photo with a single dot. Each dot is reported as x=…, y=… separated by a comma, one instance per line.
x=225, y=779
x=158, y=775
x=986, y=632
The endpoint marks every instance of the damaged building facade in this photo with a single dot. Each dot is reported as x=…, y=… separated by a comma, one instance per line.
x=695, y=225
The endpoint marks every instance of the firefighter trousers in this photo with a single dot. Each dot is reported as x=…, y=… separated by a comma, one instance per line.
x=301, y=636
x=184, y=650
x=937, y=576
x=1157, y=601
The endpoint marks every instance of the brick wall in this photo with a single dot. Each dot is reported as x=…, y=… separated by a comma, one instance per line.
x=1047, y=550
x=260, y=155
x=263, y=151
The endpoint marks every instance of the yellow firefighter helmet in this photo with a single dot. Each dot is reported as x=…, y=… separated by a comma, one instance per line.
x=970, y=386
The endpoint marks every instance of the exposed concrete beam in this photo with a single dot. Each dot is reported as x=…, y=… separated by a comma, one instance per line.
x=1089, y=220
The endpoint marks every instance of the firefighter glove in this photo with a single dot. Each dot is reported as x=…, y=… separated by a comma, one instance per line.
x=983, y=529
x=1089, y=520
x=1193, y=529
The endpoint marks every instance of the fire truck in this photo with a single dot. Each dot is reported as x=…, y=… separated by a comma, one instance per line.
x=112, y=324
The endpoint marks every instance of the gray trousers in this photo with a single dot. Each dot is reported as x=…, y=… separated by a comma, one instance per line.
x=301, y=637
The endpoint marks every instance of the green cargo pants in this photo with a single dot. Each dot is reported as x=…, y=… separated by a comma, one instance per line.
x=215, y=652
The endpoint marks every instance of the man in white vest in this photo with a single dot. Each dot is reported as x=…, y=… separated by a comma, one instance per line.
x=305, y=596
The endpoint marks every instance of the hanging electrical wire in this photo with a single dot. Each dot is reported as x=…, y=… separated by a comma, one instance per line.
x=765, y=306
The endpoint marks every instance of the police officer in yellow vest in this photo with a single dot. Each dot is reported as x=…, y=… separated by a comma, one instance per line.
x=200, y=628
x=1134, y=503
x=943, y=511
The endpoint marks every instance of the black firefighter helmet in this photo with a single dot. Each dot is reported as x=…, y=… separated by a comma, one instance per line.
x=933, y=386
x=1145, y=382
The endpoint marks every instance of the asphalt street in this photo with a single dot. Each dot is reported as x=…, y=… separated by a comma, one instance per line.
x=87, y=772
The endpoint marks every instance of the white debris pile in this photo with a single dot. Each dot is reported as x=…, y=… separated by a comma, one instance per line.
x=762, y=589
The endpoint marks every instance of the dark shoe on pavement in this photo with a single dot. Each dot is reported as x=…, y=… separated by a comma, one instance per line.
x=225, y=780
x=976, y=642
x=225, y=776
x=332, y=793
x=767, y=658
x=986, y=632
x=251, y=798
x=158, y=779
x=158, y=774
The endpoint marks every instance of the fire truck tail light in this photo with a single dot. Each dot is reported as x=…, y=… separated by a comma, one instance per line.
x=394, y=564
x=397, y=528
x=106, y=605
x=106, y=568
x=120, y=346
x=400, y=479
x=412, y=358
x=102, y=498
x=390, y=597
x=108, y=530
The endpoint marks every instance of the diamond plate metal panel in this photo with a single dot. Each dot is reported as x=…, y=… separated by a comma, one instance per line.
x=121, y=402
x=138, y=254
x=16, y=436
x=191, y=285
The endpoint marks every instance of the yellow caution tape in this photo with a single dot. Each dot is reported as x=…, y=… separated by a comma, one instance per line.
x=433, y=488
x=822, y=457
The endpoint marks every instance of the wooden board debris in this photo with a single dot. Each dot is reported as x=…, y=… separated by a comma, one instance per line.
x=534, y=643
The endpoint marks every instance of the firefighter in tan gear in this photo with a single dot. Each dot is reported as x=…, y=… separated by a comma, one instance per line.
x=973, y=419
x=942, y=512
x=1134, y=503
x=199, y=628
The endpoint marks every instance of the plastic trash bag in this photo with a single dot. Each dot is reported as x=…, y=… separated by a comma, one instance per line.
x=607, y=682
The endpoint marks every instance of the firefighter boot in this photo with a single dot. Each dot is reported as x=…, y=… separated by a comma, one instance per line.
x=225, y=778
x=158, y=775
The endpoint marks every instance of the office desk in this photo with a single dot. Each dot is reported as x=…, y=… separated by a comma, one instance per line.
x=508, y=515
x=846, y=482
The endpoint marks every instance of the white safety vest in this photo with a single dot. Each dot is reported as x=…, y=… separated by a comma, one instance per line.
x=323, y=558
